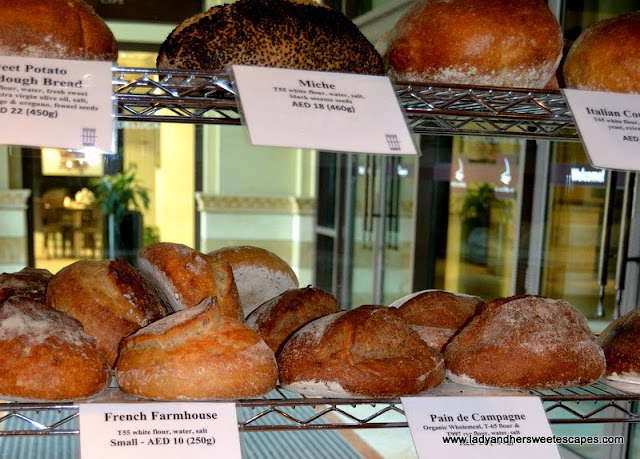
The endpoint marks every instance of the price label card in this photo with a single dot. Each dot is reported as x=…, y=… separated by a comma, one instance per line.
x=609, y=125
x=496, y=427
x=322, y=110
x=56, y=103
x=158, y=430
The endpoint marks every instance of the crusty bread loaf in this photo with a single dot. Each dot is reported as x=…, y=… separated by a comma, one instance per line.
x=270, y=33
x=109, y=297
x=55, y=29
x=504, y=43
x=184, y=277
x=46, y=355
x=259, y=274
x=437, y=315
x=27, y=281
x=606, y=56
x=621, y=344
x=369, y=351
x=528, y=342
x=278, y=318
x=196, y=354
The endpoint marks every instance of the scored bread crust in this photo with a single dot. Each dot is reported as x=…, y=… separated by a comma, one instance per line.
x=196, y=354
x=184, y=277
x=27, y=281
x=46, y=355
x=620, y=342
x=270, y=33
x=109, y=297
x=277, y=319
x=606, y=56
x=55, y=29
x=503, y=43
x=369, y=351
x=525, y=342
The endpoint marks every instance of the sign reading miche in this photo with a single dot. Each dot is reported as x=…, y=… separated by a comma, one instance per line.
x=147, y=10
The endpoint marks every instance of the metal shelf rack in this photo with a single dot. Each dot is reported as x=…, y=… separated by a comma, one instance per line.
x=209, y=98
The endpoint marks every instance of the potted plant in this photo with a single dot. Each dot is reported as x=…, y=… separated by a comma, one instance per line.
x=121, y=198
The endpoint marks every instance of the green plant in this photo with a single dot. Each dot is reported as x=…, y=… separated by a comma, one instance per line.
x=477, y=204
x=118, y=193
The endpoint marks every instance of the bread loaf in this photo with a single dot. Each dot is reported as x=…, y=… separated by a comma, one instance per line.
x=55, y=29
x=270, y=33
x=259, y=274
x=184, y=277
x=437, y=314
x=46, y=355
x=278, y=318
x=196, y=354
x=27, y=281
x=369, y=351
x=621, y=343
x=503, y=43
x=527, y=342
x=606, y=56
x=109, y=297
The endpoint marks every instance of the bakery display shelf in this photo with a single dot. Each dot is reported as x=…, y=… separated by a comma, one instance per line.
x=283, y=410
x=208, y=98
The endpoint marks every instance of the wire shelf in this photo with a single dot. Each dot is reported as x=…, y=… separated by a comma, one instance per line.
x=210, y=98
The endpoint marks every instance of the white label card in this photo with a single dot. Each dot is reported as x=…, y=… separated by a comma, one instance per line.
x=159, y=430
x=56, y=103
x=496, y=427
x=609, y=125
x=322, y=110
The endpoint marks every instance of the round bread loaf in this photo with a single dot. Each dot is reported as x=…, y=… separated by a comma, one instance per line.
x=55, y=29
x=529, y=342
x=503, y=43
x=369, y=351
x=46, y=355
x=278, y=318
x=270, y=33
x=27, y=281
x=184, y=277
x=196, y=354
x=606, y=56
x=621, y=344
x=259, y=274
x=109, y=297
x=437, y=315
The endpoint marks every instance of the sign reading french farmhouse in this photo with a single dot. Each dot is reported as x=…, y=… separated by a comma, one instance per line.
x=322, y=110
x=609, y=125
x=56, y=103
x=496, y=427
x=159, y=430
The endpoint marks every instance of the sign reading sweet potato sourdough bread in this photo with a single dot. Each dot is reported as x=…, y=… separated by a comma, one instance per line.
x=322, y=110
x=56, y=103
x=159, y=430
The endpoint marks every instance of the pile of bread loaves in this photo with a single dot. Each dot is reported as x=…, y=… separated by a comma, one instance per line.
x=234, y=322
x=499, y=43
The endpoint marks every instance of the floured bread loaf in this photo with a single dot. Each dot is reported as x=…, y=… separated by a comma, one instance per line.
x=55, y=29
x=184, y=277
x=277, y=319
x=529, y=342
x=46, y=355
x=621, y=344
x=606, y=56
x=436, y=314
x=196, y=354
x=259, y=274
x=270, y=33
x=27, y=281
x=109, y=297
x=504, y=43
x=369, y=351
